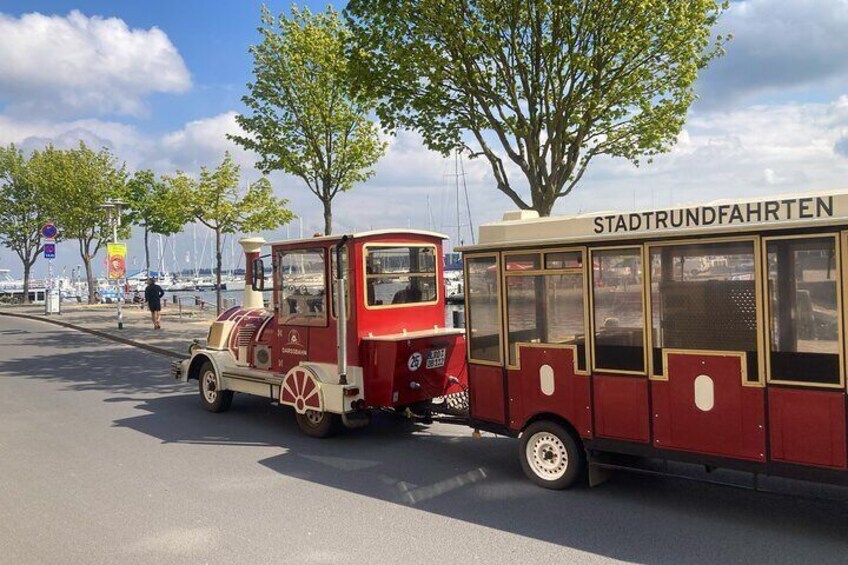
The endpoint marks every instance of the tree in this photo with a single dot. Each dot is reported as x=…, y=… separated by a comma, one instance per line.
x=303, y=119
x=215, y=201
x=78, y=182
x=23, y=212
x=154, y=208
x=547, y=86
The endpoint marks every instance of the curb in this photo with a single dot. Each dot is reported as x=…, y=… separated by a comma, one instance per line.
x=98, y=333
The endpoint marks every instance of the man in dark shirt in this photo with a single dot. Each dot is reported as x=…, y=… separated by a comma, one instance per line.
x=153, y=296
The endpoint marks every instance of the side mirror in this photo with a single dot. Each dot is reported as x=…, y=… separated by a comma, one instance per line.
x=258, y=280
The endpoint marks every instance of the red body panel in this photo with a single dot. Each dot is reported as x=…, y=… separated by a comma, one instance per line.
x=807, y=427
x=391, y=320
x=621, y=408
x=388, y=375
x=733, y=427
x=486, y=390
x=570, y=397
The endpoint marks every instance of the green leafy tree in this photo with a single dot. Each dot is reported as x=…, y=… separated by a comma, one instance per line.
x=546, y=86
x=215, y=201
x=78, y=182
x=22, y=212
x=302, y=119
x=154, y=207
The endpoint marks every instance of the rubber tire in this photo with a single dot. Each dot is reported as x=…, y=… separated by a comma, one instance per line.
x=329, y=425
x=223, y=399
x=575, y=453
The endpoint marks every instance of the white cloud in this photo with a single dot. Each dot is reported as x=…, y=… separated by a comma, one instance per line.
x=752, y=151
x=77, y=65
x=201, y=142
x=778, y=47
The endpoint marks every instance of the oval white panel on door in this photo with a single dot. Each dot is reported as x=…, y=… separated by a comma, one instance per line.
x=546, y=380
x=704, y=393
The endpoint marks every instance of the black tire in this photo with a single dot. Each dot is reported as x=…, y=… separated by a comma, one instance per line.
x=550, y=456
x=211, y=397
x=318, y=424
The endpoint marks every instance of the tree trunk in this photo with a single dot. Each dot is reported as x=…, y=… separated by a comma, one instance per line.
x=218, y=264
x=89, y=277
x=328, y=216
x=543, y=202
x=146, y=251
x=27, y=268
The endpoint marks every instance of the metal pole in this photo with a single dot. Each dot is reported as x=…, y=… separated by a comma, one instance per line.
x=118, y=287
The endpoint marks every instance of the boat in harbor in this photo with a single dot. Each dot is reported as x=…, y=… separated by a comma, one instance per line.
x=12, y=289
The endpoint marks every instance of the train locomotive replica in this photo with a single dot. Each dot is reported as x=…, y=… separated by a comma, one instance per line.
x=355, y=323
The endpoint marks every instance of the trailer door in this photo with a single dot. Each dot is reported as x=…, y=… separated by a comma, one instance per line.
x=706, y=365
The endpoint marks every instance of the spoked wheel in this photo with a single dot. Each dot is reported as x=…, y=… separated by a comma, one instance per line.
x=549, y=456
x=318, y=424
x=211, y=396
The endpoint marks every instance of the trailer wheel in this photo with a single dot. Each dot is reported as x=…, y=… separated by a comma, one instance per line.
x=211, y=396
x=549, y=455
x=317, y=424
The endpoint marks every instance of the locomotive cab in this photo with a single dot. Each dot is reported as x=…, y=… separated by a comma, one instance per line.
x=353, y=323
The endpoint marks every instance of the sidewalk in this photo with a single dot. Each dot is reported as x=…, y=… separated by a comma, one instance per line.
x=102, y=319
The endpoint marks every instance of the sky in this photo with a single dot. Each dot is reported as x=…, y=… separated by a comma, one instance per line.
x=159, y=83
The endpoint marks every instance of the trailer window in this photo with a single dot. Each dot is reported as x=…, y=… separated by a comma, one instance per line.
x=618, y=310
x=483, y=309
x=303, y=287
x=803, y=296
x=545, y=308
x=399, y=275
x=703, y=297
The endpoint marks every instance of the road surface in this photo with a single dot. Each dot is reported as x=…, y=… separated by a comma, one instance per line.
x=104, y=459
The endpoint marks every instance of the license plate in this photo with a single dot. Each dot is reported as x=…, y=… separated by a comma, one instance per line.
x=436, y=358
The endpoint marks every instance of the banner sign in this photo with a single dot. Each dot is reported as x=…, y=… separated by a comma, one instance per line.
x=717, y=215
x=116, y=261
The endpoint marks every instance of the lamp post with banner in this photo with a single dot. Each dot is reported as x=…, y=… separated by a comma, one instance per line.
x=116, y=266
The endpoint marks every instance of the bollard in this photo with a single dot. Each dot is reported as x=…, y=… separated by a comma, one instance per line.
x=179, y=307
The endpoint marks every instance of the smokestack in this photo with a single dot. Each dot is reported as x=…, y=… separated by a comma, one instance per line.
x=252, y=246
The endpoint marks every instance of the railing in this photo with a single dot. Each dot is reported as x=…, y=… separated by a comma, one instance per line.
x=189, y=304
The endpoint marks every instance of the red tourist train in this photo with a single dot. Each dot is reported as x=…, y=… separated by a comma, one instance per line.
x=709, y=334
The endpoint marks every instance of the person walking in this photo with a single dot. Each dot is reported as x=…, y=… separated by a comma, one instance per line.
x=153, y=296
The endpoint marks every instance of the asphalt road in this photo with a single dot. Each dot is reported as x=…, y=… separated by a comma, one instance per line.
x=103, y=459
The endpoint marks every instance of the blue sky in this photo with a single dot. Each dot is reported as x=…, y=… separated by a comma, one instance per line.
x=160, y=83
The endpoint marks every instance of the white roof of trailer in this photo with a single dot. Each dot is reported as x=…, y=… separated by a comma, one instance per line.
x=357, y=235
x=798, y=210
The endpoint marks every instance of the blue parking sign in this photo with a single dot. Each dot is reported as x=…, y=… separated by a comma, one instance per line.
x=49, y=250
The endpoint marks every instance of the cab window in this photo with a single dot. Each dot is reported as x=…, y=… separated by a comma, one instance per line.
x=303, y=288
x=400, y=275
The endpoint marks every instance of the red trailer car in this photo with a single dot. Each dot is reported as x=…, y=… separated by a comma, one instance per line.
x=707, y=334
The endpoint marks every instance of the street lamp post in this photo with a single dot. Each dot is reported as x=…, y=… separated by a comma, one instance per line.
x=113, y=216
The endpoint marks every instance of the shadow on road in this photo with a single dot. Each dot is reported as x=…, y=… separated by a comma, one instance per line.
x=631, y=518
x=85, y=362
x=442, y=470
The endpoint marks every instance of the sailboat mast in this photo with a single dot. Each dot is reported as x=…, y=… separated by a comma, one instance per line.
x=458, y=220
x=467, y=203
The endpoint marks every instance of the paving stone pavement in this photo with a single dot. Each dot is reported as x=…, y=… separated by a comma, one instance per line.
x=178, y=329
